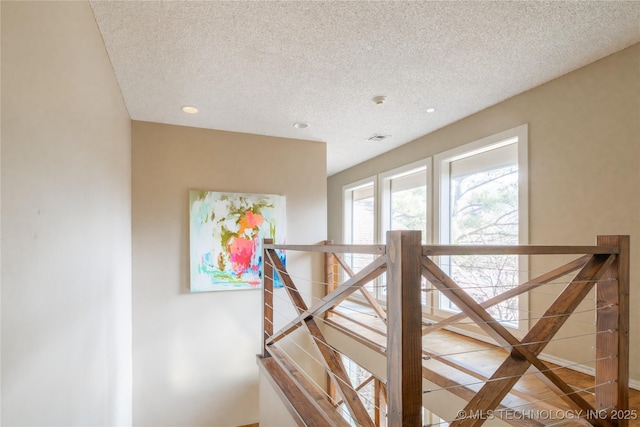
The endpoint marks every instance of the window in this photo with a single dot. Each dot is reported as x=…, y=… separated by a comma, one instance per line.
x=360, y=217
x=404, y=206
x=479, y=196
x=360, y=206
x=482, y=198
x=404, y=200
x=401, y=196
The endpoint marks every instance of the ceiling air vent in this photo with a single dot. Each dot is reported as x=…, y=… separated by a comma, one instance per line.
x=378, y=137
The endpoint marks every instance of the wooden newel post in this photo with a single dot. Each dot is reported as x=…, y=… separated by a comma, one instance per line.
x=404, y=334
x=612, y=339
x=330, y=274
x=267, y=297
x=331, y=281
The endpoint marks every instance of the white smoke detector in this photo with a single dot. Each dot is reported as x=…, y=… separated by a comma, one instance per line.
x=379, y=100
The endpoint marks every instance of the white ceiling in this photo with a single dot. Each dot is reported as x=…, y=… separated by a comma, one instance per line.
x=260, y=66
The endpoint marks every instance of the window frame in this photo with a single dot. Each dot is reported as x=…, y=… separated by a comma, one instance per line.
x=347, y=219
x=347, y=207
x=384, y=184
x=438, y=203
x=385, y=179
x=441, y=233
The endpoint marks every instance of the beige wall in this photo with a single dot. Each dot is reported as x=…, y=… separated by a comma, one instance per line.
x=584, y=149
x=66, y=220
x=0, y=219
x=194, y=354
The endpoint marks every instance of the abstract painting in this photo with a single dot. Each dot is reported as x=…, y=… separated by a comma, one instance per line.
x=226, y=232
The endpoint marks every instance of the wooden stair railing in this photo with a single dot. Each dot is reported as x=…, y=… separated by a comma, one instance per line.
x=330, y=357
x=606, y=266
x=612, y=373
x=523, y=353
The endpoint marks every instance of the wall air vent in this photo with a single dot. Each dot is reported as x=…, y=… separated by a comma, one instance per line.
x=378, y=137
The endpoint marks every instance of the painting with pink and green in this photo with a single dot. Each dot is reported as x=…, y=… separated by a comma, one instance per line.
x=226, y=231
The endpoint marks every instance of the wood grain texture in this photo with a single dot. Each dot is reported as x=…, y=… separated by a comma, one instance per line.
x=607, y=263
x=472, y=366
x=331, y=359
x=338, y=249
x=518, y=290
x=302, y=403
x=439, y=250
x=535, y=340
x=404, y=329
x=365, y=293
x=368, y=273
x=267, y=298
x=612, y=326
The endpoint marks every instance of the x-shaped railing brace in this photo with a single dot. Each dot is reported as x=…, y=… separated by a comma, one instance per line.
x=523, y=353
x=330, y=357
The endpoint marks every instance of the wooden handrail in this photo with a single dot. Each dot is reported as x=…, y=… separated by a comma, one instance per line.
x=444, y=250
x=338, y=249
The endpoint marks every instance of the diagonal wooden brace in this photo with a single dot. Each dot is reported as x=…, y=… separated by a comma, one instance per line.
x=494, y=329
x=370, y=272
x=521, y=289
x=365, y=293
x=533, y=343
x=330, y=357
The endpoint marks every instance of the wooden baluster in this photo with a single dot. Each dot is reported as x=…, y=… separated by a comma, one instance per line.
x=267, y=297
x=612, y=339
x=380, y=400
x=330, y=274
x=331, y=283
x=404, y=333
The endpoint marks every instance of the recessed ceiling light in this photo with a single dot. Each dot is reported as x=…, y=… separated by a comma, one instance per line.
x=189, y=109
x=431, y=110
x=301, y=125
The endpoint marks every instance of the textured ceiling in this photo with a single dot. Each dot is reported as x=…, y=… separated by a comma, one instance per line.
x=260, y=66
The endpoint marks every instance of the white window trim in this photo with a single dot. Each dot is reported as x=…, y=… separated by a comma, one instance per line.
x=384, y=184
x=347, y=226
x=347, y=192
x=441, y=178
x=437, y=204
x=381, y=191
